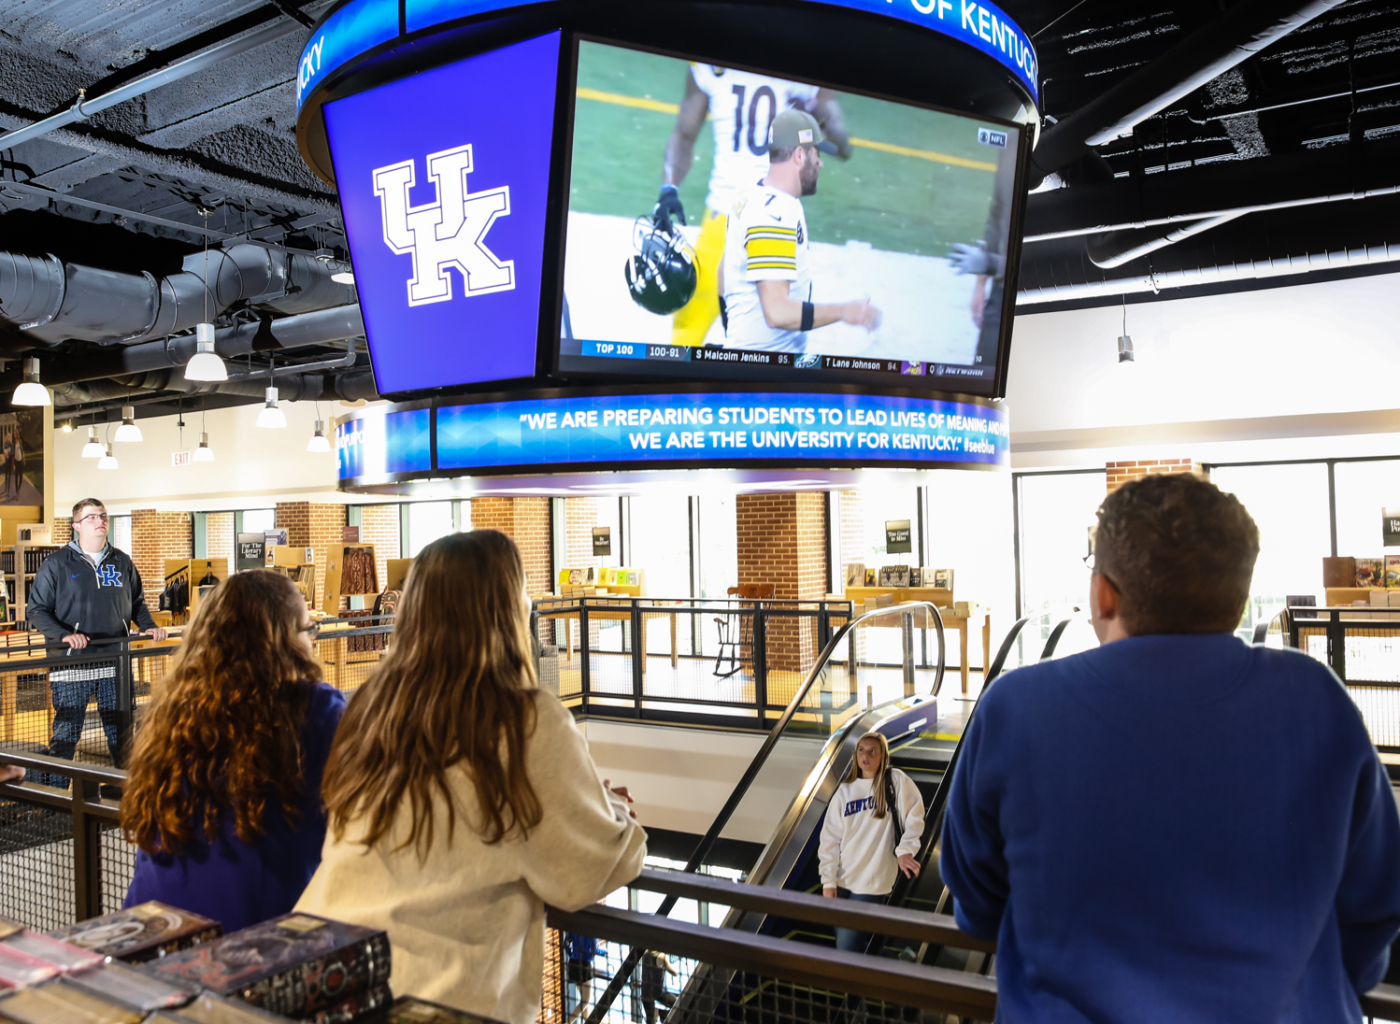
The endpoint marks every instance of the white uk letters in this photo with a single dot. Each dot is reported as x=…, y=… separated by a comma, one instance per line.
x=445, y=234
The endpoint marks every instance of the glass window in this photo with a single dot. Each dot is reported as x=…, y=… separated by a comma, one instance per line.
x=1364, y=489
x=717, y=544
x=660, y=525
x=121, y=533
x=427, y=521
x=1056, y=512
x=880, y=504
x=259, y=520
x=464, y=517
x=1289, y=504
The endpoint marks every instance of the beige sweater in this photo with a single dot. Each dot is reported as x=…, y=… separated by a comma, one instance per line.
x=467, y=926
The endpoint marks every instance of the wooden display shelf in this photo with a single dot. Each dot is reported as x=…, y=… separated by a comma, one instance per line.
x=941, y=598
x=335, y=569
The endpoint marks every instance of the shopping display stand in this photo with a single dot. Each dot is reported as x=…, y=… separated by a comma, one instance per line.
x=337, y=584
x=192, y=570
x=607, y=601
x=298, y=565
x=868, y=599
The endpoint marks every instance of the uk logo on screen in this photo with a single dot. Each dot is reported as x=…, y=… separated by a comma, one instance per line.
x=444, y=184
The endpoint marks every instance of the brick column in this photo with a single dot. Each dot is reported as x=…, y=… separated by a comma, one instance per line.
x=218, y=536
x=62, y=529
x=1119, y=473
x=156, y=536
x=313, y=526
x=782, y=540
x=525, y=521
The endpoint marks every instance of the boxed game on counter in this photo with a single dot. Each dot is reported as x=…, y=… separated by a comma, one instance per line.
x=134, y=987
x=61, y=1003
x=296, y=965
x=140, y=933
x=61, y=956
x=207, y=1008
x=411, y=1010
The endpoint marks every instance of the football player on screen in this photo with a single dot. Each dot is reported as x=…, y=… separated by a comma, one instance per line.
x=767, y=270
x=742, y=106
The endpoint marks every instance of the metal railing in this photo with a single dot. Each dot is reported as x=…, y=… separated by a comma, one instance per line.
x=735, y=663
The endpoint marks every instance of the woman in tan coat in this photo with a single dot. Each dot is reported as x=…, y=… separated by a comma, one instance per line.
x=461, y=798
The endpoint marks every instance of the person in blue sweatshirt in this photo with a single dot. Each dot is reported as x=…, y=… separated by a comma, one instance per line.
x=1175, y=826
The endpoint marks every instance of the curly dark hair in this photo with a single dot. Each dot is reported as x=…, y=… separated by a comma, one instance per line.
x=1179, y=551
x=222, y=734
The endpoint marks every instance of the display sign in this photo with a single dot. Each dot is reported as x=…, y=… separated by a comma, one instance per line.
x=897, y=540
x=719, y=429
x=895, y=241
x=392, y=442
x=602, y=541
x=1390, y=527
x=178, y=459
x=251, y=551
x=443, y=179
x=361, y=25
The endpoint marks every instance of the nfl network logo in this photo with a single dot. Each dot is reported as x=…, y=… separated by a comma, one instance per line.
x=448, y=233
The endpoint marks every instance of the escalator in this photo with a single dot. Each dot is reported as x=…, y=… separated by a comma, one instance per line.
x=923, y=734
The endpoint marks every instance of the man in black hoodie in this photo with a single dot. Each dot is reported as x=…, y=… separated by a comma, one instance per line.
x=88, y=590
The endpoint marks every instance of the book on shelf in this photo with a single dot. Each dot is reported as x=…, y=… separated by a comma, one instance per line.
x=140, y=933
x=1370, y=572
x=855, y=574
x=943, y=578
x=894, y=576
x=916, y=576
x=872, y=577
x=297, y=965
x=59, y=1002
x=1392, y=571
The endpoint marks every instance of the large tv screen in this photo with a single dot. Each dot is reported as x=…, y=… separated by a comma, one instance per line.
x=444, y=182
x=734, y=225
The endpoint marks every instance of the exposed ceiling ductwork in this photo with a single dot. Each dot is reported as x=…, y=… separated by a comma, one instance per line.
x=55, y=301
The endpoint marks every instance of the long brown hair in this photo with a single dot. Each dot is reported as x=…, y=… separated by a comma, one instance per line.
x=223, y=733
x=457, y=687
x=879, y=784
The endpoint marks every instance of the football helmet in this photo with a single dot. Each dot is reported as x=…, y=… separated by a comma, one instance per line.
x=662, y=276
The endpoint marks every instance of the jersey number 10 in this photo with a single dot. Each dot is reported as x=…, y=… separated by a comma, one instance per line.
x=758, y=142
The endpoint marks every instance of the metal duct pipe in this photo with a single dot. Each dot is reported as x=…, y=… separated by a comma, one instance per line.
x=1243, y=271
x=1112, y=250
x=1238, y=34
x=54, y=301
x=319, y=328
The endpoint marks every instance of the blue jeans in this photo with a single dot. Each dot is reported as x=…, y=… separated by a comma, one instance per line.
x=70, y=701
x=849, y=939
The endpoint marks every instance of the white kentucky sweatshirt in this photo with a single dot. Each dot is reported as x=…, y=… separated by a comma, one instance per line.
x=466, y=925
x=858, y=851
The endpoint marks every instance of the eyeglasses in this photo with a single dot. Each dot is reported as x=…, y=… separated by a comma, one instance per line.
x=101, y=517
x=311, y=630
x=1093, y=567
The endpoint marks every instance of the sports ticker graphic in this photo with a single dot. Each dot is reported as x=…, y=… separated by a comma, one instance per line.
x=443, y=181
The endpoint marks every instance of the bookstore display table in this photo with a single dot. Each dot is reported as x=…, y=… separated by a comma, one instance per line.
x=940, y=598
x=604, y=609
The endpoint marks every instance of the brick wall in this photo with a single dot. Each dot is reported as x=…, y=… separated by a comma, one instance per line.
x=62, y=529
x=782, y=541
x=853, y=545
x=580, y=516
x=1120, y=473
x=379, y=525
x=218, y=536
x=525, y=521
x=156, y=536
x=314, y=526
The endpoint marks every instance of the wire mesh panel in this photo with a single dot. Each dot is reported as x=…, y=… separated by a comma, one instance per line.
x=36, y=866
x=552, y=983
x=1380, y=709
x=116, y=865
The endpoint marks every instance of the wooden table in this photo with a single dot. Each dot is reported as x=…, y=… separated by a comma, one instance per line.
x=942, y=600
x=603, y=609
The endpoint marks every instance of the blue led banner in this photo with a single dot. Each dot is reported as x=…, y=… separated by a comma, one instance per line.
x=376, y=444
x=445, y=204
x=729, y=428
x=363, y=24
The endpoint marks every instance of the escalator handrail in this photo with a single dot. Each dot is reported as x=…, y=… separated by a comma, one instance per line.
x=940, y=795
x=711, y=838
x=1053, y=640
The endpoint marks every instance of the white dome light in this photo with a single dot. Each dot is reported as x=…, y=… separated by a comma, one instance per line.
x=271, y=415
x=205, y=364
x=128, y=431
x=204, y=453
x=109, y=461
x=319, y=442
x=93, y=449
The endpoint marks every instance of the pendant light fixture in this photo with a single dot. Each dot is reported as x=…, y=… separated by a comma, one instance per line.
x=93, y=449
x=31, y=392
x=205, y=365
x=203, y=453
x=108, y=461
x=67, y=427
x=1125, y=343
x=271, y=415
x=319, y=443
x=128, y=431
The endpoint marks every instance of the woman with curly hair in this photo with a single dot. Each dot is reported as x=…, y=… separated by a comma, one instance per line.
x=462, y=798
x=223, y=793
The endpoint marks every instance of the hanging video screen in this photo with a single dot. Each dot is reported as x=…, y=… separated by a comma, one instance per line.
x=732, y=225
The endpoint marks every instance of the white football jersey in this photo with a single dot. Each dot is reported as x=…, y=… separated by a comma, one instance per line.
x=765, y=240
x=742, y=107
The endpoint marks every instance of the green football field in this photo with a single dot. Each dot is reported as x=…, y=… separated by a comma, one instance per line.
x=895, y=202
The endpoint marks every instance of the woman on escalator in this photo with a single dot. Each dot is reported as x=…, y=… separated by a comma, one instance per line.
x=871, y=833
